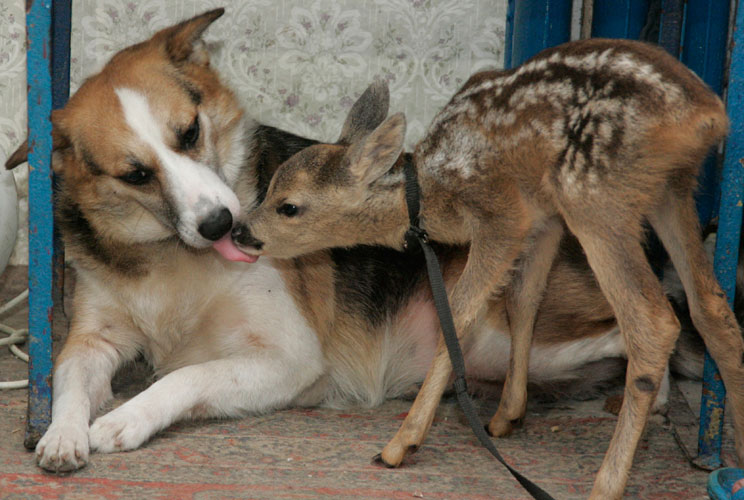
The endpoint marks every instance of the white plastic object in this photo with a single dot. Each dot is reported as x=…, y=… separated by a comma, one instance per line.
x=8, y=216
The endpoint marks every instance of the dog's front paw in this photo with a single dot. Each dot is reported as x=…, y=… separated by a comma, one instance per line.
x=120, y=430
x=64, y=447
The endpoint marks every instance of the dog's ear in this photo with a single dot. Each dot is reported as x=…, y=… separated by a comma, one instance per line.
x=19, y=156
x=366, y=114
x=59, y=142
x=183, y=41
x=378, y=152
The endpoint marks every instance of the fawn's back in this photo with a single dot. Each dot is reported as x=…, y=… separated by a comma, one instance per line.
x=587, y=116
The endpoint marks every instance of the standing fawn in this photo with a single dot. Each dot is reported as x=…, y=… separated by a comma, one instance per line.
x=598, y=136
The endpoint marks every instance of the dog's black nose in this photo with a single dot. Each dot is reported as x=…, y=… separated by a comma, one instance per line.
x=243, y=237
x=216, y=225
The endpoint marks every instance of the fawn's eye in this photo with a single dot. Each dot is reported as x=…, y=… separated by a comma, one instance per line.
x=287, y=209
x=137, y=177
x=187, y=138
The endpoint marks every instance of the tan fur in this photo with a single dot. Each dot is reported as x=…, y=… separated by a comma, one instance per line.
x=141, y=289
x=311, y=283
x=573, y=306
x=598, y=135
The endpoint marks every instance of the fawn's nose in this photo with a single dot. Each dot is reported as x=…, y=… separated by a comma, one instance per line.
x=242, y=236
x=216, y=224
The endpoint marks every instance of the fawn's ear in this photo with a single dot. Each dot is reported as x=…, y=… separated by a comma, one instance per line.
x=59, y=142
x=379, y=151
x=183, y=41
x=367, y=113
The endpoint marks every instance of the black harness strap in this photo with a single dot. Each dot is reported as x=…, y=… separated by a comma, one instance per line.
x=417, y=236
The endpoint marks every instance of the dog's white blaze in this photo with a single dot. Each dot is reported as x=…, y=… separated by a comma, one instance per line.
x=237, y=152
x=195, y=189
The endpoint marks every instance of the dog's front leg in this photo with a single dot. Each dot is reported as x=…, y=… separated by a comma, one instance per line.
x=220, y=388
x=82, y=383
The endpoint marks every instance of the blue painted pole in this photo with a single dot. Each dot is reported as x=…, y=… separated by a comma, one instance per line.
x=704, y=51
x=727, y=248
x=508, y=39
x=619, y=18
x=537, y=25
x=41, y=226
x=61, y=28
x=670, y=31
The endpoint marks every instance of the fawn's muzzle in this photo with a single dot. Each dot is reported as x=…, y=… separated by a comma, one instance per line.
x=242, y=236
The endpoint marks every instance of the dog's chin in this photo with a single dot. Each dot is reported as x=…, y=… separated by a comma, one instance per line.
x=194, y=240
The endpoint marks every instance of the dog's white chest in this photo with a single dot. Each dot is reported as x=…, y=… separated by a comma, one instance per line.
x=199, y=308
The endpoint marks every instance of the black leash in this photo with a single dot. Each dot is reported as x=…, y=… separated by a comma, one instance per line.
x=417, y=236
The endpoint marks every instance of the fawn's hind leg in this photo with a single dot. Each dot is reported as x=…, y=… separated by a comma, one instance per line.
x=492, y=253
x=677, y=226
x=523, y=298
x=646, y=321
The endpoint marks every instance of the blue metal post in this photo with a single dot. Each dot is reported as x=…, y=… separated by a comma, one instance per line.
x=509, y=38
x=61, y=28
x=40, y=230
x=727, y=248
x=619, y=18
x=61, y=20
x=670, y=31
x=537, y=25
x=704, y=51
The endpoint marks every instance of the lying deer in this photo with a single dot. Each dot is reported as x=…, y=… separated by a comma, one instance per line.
x=596, y=135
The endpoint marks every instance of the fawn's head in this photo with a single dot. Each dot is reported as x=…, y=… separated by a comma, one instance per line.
x=333, y=195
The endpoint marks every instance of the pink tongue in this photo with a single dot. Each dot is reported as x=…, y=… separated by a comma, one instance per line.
x=228, y=250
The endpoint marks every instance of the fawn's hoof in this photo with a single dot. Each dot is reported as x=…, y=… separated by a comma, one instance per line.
x=500, y=427
x=378, y=460
x=393, y=455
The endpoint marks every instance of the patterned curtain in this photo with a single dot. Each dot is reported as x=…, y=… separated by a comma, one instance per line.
x=298, y=65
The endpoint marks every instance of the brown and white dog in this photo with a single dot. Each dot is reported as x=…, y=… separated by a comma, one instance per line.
x=150, y=152
x=598, y=136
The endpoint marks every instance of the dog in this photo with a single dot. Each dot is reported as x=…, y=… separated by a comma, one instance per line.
x=596, y=136
x=336, y=328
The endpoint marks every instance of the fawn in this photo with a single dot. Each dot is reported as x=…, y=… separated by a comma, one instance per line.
x=597, y=136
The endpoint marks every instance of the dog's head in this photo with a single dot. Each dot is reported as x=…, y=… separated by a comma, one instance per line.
x=149, y=147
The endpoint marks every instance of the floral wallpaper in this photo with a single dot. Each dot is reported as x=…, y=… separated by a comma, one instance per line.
x=298, y=65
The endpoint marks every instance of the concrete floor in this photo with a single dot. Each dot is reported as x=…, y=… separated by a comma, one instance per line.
x=319, y=453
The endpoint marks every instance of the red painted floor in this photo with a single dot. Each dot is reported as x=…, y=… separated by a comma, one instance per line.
x=319, y=453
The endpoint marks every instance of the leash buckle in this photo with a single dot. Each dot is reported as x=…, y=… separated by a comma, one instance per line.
x=414, y=237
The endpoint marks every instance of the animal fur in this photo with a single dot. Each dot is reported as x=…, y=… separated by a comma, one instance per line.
x=348, y=326
x=596, y=136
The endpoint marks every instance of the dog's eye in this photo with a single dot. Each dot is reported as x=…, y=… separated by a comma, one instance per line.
x=137, y=177
x=287, y=209
x=187, y=139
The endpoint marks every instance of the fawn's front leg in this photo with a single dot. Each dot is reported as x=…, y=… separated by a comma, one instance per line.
x=523, y=296
x=491, y=256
